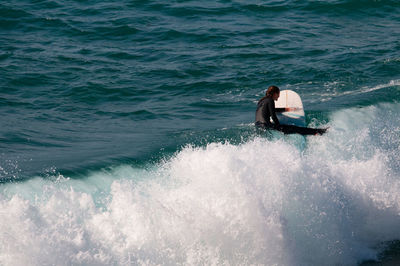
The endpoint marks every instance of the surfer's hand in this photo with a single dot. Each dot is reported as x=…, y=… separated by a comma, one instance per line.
x=321, y=131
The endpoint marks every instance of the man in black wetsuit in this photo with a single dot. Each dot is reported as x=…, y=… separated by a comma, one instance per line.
x=266, y=110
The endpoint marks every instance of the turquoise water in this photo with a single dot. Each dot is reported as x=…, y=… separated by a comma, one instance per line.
x=126, y=132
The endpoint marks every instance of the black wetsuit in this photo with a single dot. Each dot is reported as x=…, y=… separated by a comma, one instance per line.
x=266, y=110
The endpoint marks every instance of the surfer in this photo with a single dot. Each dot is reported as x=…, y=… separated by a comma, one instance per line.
x=266, y=110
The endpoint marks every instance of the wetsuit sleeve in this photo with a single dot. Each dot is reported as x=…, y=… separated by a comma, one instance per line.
x=280, y=110
x=272, y=112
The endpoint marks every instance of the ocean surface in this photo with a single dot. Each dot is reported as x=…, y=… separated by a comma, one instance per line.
x=127, y=137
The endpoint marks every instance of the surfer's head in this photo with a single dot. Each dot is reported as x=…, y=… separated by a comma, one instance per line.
x=273, y=92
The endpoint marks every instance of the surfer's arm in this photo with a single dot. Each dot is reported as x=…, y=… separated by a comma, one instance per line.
x=287, y=109
x=272, y=112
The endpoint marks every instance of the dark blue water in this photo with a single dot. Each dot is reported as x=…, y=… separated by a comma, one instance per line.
x=148, y=106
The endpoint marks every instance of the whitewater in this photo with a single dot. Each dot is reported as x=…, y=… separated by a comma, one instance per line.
x=264, y=201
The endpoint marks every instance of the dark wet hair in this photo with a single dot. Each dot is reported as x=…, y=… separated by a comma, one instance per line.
x=271, y=91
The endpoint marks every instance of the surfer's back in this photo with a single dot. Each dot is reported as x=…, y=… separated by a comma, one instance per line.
x=262, y=112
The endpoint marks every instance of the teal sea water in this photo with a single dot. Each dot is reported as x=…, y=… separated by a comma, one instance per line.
x=127, y=138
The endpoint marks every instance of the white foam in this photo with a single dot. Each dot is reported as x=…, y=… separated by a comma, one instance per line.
x=332, y=90
x=392, y=83
x=261, y=202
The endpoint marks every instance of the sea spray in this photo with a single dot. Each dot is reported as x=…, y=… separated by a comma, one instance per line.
x=263, y=201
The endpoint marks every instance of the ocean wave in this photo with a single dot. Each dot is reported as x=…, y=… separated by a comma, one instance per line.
x=337, y=93
x=259, y=202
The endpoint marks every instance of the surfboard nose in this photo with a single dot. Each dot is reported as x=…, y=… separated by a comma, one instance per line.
x=294, y=112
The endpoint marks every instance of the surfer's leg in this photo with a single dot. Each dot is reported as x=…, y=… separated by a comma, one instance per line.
x=290, y=129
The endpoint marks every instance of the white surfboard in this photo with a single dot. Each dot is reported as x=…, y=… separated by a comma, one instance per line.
x=295, y=114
